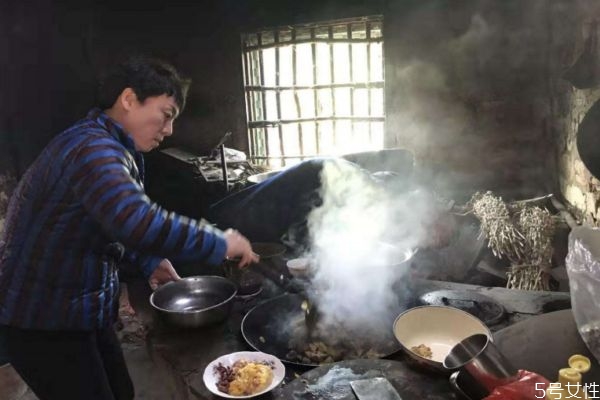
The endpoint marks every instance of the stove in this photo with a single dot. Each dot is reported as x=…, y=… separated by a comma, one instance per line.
x=483, y=307
x=498, y=307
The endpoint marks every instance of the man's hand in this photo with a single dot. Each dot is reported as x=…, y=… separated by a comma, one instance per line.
x=164, y=273
x=239, y=247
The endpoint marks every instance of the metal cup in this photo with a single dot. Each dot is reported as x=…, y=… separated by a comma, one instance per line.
x=479, y=358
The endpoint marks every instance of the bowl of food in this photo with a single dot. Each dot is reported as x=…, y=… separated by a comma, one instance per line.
x=243, y=374
x=428, y=333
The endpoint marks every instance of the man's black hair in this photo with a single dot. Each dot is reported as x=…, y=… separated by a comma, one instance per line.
x=148, y=77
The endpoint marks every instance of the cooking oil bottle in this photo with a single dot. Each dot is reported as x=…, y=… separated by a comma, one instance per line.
x=570, y=385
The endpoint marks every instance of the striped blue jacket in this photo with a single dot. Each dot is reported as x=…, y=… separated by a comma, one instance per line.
x=80, y=198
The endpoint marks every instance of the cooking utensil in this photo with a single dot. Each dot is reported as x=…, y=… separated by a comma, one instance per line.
x=466, y=387
x=268, y=250
x=268, y=266
x=298, y=267
x=374, y=389
x=215, y=151
x=267, y=328
x=195, y=301
x=439, y=328
x=478, y=357
x=483, y=307
x=247, y=281
x=588, y=140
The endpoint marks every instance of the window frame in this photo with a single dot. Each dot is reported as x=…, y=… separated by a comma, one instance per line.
x=254, y=82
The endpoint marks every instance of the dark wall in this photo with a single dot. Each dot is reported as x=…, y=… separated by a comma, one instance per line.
x=467, y=85
x=57, y=50
x=465, y=79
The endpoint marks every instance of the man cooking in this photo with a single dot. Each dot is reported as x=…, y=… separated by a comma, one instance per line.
x=77, y=211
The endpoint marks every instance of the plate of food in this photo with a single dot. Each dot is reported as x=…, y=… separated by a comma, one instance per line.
x=243, y=374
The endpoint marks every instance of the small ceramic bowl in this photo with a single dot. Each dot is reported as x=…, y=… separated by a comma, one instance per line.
x=211, y=377
x=299, y=267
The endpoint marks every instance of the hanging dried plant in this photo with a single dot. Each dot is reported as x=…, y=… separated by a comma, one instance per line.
x=521, y=233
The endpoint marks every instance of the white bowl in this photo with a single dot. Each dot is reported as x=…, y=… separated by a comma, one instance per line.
x=299, y=267
x=211, y=377
x=438, y=327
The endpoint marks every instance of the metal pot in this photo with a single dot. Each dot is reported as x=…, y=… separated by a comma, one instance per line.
x=478, y=358
x=195, y=301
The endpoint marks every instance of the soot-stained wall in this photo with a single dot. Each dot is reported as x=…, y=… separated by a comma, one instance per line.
x=468, y=83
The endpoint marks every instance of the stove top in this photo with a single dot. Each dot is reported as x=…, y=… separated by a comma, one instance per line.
x=483, y=307
x=516, y=305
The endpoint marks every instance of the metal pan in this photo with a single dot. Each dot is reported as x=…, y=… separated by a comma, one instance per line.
x=588, y=140
x=264, y=328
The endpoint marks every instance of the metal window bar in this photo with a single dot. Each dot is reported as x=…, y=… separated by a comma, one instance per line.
x=249, y=102
x=331, y=80
x=369, y=111
x=251, y=87
x=296, y=99
x=278, y=94
x=261, y=69
x=313, y=54
x=351, y=70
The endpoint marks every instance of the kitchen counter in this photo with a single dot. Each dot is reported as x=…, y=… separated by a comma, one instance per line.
x=186, y=352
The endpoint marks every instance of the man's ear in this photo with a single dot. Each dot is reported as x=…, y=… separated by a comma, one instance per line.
x=128, y=99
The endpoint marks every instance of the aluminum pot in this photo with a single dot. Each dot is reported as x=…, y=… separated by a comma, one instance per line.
x=478, y=358
x=195, y=301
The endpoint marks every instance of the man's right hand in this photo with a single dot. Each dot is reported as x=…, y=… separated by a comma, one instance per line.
x=239, y=247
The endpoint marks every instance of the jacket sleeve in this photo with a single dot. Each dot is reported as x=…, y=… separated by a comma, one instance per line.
x=147, y=263
x=102, y=181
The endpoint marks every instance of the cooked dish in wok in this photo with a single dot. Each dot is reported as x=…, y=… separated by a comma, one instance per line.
x=278, y=327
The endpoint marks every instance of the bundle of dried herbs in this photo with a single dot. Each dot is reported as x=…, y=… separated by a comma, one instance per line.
x=520, y=232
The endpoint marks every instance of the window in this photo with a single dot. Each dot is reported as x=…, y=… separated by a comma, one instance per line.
x=314, y=89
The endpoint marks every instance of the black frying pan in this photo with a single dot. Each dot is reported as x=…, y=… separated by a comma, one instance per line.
x=264, y=328
x=588, y=140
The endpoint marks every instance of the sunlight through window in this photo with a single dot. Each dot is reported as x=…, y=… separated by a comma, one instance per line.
x=314, y=90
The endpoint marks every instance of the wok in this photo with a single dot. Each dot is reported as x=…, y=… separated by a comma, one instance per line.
x=264, y=329
x=588, y=140
x=194, y=301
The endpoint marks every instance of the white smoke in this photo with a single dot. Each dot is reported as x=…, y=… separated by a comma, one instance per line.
x=360, y=236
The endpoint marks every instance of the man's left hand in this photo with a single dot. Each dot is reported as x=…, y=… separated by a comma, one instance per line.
x=164, y=273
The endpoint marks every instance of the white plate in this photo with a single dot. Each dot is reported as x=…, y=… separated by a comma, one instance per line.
x=211, y=377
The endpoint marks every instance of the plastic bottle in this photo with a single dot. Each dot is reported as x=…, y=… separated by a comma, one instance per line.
x=570, y=385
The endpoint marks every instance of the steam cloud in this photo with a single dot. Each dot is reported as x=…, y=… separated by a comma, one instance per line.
x=359, y=237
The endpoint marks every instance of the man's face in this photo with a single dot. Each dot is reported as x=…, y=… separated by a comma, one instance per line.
x=149, y=122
